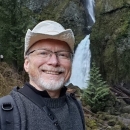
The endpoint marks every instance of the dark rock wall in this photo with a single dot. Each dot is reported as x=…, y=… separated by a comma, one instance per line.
x=70, y=13
x=110, y=40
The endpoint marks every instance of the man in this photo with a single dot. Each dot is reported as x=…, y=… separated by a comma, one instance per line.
x=43, y=103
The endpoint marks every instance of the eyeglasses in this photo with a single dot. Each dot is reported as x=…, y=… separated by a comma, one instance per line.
x=43, y=53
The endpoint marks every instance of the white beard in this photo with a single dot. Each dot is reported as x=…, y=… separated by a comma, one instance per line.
x=48, y=84
x=51, y=85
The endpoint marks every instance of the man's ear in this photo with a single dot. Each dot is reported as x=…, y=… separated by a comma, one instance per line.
x=26, y=64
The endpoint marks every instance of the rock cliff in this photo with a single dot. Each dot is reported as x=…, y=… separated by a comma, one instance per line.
x=70, y=13
x=110, y=40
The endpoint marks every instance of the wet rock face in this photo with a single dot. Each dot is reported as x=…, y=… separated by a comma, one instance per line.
x=70, y=13
x=75, y=17
x=110, y=37
x=110, y=5
x=107, y=6
x=37, y=5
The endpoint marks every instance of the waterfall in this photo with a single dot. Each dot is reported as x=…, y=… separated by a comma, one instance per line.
x=81, y=64
x=81, y=61
x=89, y=6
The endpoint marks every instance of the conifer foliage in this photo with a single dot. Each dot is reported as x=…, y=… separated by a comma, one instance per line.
x=14, y=19
x=97, y=93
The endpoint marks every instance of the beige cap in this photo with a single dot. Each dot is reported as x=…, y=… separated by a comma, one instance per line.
x=48, y=30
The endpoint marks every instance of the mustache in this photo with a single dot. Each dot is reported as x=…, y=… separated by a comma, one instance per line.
x=57, y=69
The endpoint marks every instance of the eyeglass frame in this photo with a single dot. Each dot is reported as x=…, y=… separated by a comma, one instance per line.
x=51, y=53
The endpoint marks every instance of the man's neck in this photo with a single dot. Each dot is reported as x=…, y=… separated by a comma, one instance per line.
x=54, y=94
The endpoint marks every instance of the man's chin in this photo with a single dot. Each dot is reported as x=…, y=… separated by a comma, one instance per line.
x=52, y=85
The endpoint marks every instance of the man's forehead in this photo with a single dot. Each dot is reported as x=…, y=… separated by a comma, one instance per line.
x=50, y=43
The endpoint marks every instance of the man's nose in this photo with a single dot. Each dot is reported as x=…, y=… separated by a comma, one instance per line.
x=53, y=60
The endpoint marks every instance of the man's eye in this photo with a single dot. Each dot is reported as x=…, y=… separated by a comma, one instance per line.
x=63, y=55
x=43, y=53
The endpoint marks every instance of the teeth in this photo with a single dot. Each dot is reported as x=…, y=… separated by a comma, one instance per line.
x=51, y=72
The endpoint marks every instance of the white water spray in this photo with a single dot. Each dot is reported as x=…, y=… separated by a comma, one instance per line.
x=81, y=61
x=81, y=64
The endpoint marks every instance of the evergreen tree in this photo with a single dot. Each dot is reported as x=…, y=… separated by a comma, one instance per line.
x=14, y=19
x=97, y=93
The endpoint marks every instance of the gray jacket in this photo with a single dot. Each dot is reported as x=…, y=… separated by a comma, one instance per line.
x=34, y=118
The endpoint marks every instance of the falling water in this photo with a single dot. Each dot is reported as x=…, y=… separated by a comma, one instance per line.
x=89, y=6
x=81, y=64
x=81, y=61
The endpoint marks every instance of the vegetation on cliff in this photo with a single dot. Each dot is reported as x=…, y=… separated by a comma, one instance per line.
x=110, y=38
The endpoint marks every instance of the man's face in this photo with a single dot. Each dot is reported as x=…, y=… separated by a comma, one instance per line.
x=48, y=73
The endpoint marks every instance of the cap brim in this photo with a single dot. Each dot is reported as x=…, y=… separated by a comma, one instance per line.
x=32, y=37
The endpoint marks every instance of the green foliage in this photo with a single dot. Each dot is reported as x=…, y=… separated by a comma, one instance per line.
x=124, y=65
x=97, y=92
x=14, y=19
x=109, y=37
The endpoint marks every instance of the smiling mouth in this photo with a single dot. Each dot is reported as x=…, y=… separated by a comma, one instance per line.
x=52, y=72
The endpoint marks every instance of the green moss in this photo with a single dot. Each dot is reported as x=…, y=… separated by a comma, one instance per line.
x=122, y=31
x=108, y=32
x=61, y=8
x=117, y=127
x=91, y=123
x=54, y=10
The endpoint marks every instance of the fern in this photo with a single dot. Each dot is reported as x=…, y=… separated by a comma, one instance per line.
x=97, y=92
